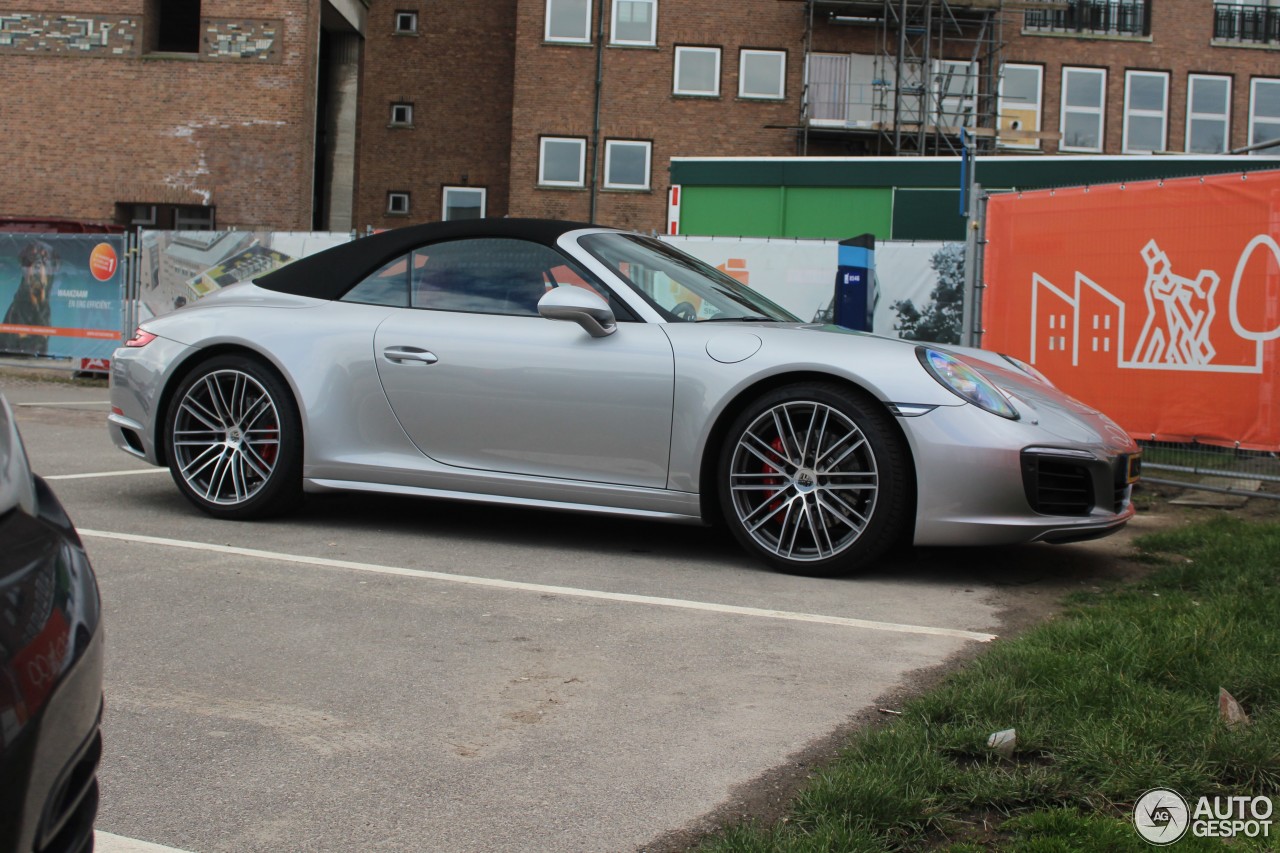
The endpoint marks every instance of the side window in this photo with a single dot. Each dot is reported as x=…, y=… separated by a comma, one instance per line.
x=387, y=286
x=486, y=275
x=491, y=275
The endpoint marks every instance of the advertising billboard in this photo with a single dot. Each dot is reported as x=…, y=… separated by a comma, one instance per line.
x=62, y=294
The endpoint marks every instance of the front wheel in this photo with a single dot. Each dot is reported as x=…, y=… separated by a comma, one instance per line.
x=234, y=439
x=814, y=479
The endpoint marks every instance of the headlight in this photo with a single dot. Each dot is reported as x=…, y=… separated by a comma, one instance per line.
x=965, y=382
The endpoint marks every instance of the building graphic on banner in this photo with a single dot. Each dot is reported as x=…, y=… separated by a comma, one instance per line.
x=179, y=267
x=1087, y=325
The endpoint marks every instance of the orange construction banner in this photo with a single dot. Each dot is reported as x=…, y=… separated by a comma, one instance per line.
x=1156, y=302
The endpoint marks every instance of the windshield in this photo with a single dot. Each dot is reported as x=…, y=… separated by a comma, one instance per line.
x=682, y=288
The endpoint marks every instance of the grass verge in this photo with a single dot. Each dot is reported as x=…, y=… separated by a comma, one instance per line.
x=1115, y=697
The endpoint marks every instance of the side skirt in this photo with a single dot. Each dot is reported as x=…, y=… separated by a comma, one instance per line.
x=692, y=516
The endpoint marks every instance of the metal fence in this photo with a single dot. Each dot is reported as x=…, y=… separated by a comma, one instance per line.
x=1094, y=16
x=1224, y=470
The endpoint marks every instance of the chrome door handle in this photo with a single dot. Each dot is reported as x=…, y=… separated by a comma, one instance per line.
x=400, y=355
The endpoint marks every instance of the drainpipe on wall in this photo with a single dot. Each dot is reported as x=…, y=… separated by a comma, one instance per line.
x=595, y=129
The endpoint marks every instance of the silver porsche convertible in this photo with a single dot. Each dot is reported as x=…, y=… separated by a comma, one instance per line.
x=561, y=365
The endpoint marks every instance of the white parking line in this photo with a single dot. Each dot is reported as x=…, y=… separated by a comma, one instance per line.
x=73, y=403
x=545, y=589
x=107, y=474
x=105, y=842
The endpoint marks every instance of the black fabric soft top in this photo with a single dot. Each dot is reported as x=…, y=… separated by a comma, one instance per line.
x=331, y=273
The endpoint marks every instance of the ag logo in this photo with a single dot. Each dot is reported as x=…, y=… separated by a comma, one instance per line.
x=1161, y=816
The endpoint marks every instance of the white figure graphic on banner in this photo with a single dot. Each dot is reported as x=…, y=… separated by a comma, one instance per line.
x=1179, y=313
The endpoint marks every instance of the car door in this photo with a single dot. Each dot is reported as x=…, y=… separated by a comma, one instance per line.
x=479, y=380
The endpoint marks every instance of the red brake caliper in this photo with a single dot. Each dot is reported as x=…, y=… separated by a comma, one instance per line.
x=775, y=505
x=268, y=452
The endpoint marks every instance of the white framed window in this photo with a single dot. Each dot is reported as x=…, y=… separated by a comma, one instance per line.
x=406, y=22
x=1084, y=98
x=762, y=74
x=635, y=22
x=397, y=203
x=1208, y=113
x=569, y=21
x=562, y=161
x=1020, y=104
x=697, y=71
x=1146, y=111
x=402, y=115
x=1264, y=114
x=463, y=203
x=626, y=164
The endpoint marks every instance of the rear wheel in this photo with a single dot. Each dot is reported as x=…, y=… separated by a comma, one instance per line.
x=234, y=439
x=814, y=479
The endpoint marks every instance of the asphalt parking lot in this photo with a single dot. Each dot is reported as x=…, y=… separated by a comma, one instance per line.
x=394, y=674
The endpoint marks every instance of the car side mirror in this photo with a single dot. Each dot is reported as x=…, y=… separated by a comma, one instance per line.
x=582, y=307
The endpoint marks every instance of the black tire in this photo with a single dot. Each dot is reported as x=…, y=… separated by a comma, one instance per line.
x=815, y=479
x=233, y=439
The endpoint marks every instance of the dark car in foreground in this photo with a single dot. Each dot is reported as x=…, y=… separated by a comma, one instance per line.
x=50, y=665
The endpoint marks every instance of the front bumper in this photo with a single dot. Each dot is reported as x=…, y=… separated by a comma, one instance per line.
x=984, y=480
x=51, y=688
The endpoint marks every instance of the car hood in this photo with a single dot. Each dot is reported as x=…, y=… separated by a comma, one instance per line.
x=1054, y=409
x=1038, y=403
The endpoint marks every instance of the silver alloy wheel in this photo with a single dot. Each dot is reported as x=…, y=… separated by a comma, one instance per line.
x=803, y=481
x=226, y=437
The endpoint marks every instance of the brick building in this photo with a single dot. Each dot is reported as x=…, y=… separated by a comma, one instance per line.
x=588, y=113
x=602, y=93
x=435, y=110
x=625, y=131
x=1152, y=75
x=180, y=113
x=188, y=113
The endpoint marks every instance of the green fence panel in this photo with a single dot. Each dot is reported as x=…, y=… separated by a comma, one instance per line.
x=732, y=211
x=927, y=172
x=835, y=213
x=927, y=215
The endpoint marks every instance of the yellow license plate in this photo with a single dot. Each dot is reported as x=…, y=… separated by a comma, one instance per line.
x=1133, y=468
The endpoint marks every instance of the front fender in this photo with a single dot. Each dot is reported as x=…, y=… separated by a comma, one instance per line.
x=707, y=390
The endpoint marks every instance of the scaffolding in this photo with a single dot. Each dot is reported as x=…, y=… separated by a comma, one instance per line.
x=930, y=87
